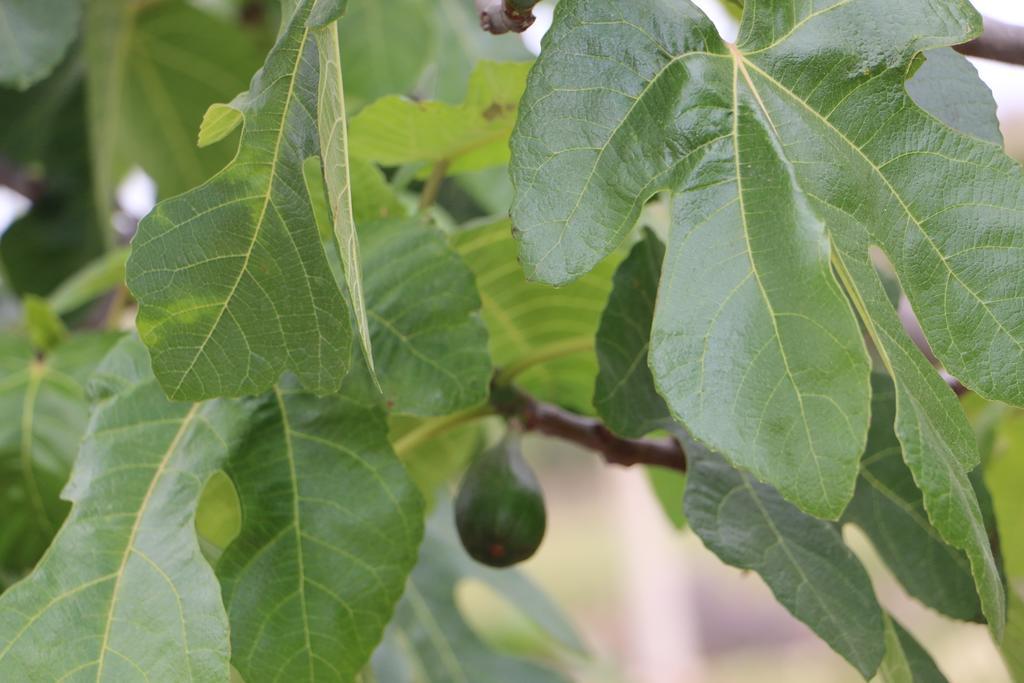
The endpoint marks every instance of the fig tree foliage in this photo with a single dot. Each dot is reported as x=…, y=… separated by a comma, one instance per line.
x=386, y=243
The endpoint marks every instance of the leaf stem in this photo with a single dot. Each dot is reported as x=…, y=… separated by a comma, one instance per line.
x=430, y=429
x=543, y=355
x=433, y=185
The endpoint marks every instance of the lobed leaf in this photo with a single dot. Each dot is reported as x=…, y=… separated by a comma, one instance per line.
x=780, y=182
x=232, y=282
x=330, y=528
x=124, y=587
x=747, y=524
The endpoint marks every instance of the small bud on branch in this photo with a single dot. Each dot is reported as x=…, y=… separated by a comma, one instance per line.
x=504, y=16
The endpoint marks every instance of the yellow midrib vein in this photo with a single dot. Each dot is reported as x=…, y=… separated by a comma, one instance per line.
x=259, y=221
x=157, y=475
x=737, y=69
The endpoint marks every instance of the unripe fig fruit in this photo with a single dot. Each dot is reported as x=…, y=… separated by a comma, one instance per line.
x=499, y=510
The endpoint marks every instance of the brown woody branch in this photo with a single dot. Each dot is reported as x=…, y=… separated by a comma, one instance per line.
x=545, y=418
x=1000, y=41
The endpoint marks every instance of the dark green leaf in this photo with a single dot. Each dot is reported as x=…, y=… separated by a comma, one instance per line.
x=625, y=396
x=153, y=71
x=802, y=559
x=889, y=507
x=43, y=414
x=34, y=35
x=428, y=341
x=331, y=524
x=124, y=587
x=226, y=313
x=44, y=129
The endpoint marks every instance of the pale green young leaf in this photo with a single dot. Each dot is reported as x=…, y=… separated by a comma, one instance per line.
x=372, y=197
x=529, y=322
x=124, y=587
x=43, y=414
x=232, y=281
x=34, y=35
x=802, y=559
x=44, y=326
x=218, y=122
x=428, y=340
x=888, y=506
x=1004, y=474
x=754, y=346
x=471, y=136
x=333, y=126
x=93, y=280
x=905, y=660
x=330, y=529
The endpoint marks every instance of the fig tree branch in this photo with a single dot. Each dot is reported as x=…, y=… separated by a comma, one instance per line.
x=505, y=16
x=1000, y=41
x=545, y=418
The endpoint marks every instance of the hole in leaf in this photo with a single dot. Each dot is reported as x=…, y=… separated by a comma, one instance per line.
x=218, y=516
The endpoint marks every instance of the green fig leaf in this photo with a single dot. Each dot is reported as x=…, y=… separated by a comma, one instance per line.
x=755, y=345
x=124, y=586
x=331, y=525
x=227, y=313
